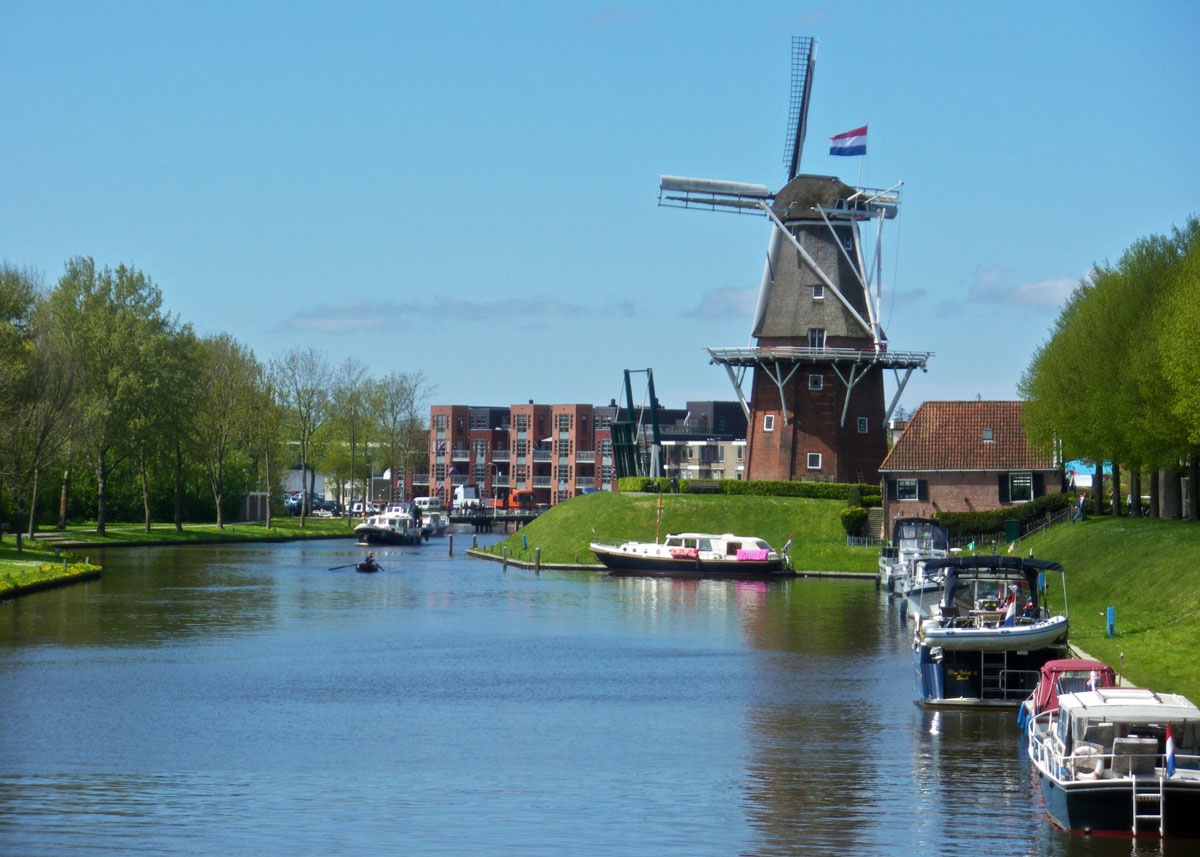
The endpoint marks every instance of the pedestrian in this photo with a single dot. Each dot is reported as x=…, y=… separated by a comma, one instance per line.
x=1080, y=511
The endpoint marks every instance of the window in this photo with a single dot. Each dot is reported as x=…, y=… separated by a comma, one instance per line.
x=987, y=435
x=769, y=422
x=814, y=461
x=441, y=422
x=816, y=382
x=864, y=425
x=906, y=489
x=816, y=337
x=1020, y=487
x=819, y=292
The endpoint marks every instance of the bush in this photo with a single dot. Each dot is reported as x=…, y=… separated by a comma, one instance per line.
x=854, y=497
x=984, y=523
x=854, y=518
x=868, y=494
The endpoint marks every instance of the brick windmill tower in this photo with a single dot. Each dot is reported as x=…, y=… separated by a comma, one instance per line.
x=816, y=407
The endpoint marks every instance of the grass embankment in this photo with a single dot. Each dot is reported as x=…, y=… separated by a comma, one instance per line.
x=31, y=569
x=819, y=543
x=281, y=528
x=1149, y=571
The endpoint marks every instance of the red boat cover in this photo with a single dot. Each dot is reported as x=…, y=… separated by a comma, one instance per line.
x=684, y=553
x=752, y=554
x=1067, y=676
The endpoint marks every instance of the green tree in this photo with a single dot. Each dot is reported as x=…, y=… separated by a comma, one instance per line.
x=396, y=402
x=113, y=327
x=302, y=379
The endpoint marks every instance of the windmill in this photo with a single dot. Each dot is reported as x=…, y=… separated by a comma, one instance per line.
x=816, y=408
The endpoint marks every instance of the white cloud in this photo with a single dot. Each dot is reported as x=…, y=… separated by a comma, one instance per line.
x=994, y=286
x=725, y=302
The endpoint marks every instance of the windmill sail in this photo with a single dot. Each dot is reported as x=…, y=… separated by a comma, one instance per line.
x=804, y=57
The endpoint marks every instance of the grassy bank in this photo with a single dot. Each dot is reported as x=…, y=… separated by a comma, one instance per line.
x=281, y=528
x=31, y=569
x=1150, y=572
x=819, y=543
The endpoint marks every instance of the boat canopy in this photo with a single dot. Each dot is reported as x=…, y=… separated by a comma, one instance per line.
x=1101, y=715
x=999, y=569
x=1070, y=675
x=922, y=534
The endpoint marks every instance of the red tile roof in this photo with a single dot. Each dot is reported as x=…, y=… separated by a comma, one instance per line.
x=950, y=436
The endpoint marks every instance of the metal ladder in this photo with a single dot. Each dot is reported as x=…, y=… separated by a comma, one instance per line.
x=1148, y=803
x=991, y=683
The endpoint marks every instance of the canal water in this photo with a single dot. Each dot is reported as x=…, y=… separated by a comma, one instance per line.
x=247, y=700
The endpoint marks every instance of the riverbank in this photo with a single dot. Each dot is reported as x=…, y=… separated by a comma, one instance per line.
x=50, y=559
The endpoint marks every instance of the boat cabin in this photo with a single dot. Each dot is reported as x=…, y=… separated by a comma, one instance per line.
x=728, y=545
x=1127, y=727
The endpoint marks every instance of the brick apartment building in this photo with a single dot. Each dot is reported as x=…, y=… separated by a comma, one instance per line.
x=559, y=451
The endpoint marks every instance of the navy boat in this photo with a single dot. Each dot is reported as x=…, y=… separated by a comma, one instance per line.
x=987, y=638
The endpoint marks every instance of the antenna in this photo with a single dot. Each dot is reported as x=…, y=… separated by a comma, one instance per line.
x=804, y=57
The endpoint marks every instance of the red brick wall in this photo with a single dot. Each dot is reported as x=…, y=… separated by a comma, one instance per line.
x=971, y=491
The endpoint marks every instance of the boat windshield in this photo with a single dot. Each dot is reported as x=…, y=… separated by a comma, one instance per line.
x=922, y=536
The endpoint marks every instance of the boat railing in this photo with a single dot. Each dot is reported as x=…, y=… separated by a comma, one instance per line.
x=1090, y=760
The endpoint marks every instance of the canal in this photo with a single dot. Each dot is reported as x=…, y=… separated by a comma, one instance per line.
x=248, y=700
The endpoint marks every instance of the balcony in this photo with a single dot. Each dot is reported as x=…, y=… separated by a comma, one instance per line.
x=499, y=481
x=459, y=479
x=420, y=479
x=457, y=454
x=541, y=482
x=541, y=455
x=583, y=456
x=500, y=455
x=585, y=482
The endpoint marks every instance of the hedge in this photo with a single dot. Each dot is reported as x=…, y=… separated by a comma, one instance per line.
x=992, y=521
x=854, y=518
x=757, y=487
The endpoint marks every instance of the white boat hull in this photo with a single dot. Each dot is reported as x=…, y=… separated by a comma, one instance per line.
x=1037, y=635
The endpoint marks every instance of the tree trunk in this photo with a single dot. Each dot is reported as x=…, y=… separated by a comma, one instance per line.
x=1135, y=493
x=101, y=493
x=37, y=475
x=65, y=496
x=1169, y=483
x=178, y=486
x=1098, y=488
x=267, y=457
x=1194, y=488
x=145, y=488
x=1116, y=491
x=1155, y=508
x=303, y=479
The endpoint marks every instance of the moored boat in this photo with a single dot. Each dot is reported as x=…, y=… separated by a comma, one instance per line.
x=913, y=539
x=1120, y=760
x=393, y=526
x=693, y=555
x=989, y=635
x=1066, y=675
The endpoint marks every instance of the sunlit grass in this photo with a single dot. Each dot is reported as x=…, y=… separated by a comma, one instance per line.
x=818, y=543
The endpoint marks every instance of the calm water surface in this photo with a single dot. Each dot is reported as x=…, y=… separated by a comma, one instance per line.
x=246, y=700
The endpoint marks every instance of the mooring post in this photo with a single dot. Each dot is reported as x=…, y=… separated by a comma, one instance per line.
x=1112, y=621
x=475, y=541
x=537, y=560
x=504, y=554
x=450, y=542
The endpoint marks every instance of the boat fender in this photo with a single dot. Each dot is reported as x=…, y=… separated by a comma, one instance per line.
x=1088, y=762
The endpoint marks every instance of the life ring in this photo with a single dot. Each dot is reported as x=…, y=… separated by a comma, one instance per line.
x=1087, y=761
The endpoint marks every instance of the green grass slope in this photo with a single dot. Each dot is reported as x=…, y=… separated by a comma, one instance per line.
x=819, y=543
x=1150, y=572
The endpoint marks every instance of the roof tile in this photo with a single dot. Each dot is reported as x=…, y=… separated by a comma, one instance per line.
x=951, y=436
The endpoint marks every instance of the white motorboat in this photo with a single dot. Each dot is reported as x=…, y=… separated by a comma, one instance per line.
x=693, y=555
x=395, y=525
x=1119, y=759
x=914, y=539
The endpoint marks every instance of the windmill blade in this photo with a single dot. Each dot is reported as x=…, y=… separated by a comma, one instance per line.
x=804, y=58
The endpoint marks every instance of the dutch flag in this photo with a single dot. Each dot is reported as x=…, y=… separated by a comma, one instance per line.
x=1170, y=752
x=788, y=545
x=851, y=143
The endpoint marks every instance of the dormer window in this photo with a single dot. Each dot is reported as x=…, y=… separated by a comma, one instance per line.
x=987, y=435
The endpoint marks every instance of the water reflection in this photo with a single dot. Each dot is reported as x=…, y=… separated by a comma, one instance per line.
x=257, y=702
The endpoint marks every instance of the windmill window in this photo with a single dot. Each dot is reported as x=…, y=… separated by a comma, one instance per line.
x=819, y=292
x=816, y=382
x=864, y=425
x=816, y=337
x=768, y=422
x=814, y=461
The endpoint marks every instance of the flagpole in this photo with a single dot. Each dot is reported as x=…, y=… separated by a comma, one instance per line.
x=861, y=158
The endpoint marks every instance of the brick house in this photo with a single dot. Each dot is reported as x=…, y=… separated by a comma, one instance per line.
x=964, y=457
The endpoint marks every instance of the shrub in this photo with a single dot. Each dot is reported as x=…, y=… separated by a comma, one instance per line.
x=992, y=521
x=854, y=518
x=854, y=497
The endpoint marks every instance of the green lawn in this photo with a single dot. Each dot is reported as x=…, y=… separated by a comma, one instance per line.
x=818, y=544
x=281, y=527
x=1150, y=572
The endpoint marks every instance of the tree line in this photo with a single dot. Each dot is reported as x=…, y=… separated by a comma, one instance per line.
x=1119, y=378
x=111, y=408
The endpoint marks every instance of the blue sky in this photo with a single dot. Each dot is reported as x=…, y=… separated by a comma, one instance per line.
x=470, y=189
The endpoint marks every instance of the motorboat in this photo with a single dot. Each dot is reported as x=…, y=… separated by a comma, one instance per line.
x=914, y=539
x=693, y=555
x=1067, y=675
x=1120, y=760
x=431, y=514
x=990, y=633
x=395, y=525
